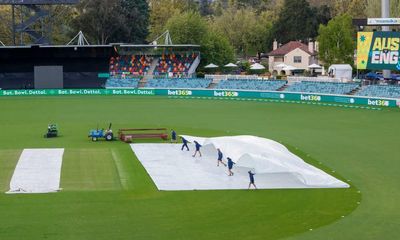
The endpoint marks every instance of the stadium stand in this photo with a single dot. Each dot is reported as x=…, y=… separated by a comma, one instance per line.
x=131, y=65
x=122, y=83
x=388, y=91
x=16, y=80
x=174, y=65
x=322, y=87
x=251, y=84
x=178, y=83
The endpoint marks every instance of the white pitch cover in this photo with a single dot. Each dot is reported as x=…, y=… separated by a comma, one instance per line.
x=37, y=171
x=275, y=166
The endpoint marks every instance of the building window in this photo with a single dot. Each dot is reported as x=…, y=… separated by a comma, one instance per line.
x=297, y=59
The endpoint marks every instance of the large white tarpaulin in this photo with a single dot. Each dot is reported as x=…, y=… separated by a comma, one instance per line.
x=275, y=166
x=37, y=171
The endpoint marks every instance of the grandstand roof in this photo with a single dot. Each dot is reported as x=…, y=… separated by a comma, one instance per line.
x=159, y=45
x=109, y=45
x=54, y=46
x=288, y=47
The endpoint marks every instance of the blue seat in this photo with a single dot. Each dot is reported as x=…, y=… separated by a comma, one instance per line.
x=178, y=83
x=387, y=91
x=251, y=84
x=322, y=87
x=122, y=83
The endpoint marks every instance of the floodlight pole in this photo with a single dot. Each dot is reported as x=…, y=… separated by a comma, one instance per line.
x=167, y=41
x=81, y=40
x=386, y=14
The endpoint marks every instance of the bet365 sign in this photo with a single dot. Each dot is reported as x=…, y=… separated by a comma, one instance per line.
x=378, y=50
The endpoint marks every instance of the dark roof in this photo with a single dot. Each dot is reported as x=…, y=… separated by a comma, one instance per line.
x=288, y=47
x=105, y=46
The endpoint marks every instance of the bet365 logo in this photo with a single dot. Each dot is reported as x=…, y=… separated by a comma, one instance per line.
x=314, y=98
x=180, y=93
x=226, y=94
x=378, y=102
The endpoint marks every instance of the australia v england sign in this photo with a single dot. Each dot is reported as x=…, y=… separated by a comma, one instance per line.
x=378, y=50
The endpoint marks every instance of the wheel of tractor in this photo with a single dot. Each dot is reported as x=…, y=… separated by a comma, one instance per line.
x=94, y=139
x=109, y=137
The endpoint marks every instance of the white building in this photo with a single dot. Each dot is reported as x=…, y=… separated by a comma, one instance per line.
x=292, y=57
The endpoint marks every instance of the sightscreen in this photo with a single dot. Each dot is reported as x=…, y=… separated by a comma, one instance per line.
x=48, y=77
x=378, y=50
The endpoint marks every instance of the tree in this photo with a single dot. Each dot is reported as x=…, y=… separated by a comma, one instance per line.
x=296, y=21
x=105, y=21
x=216, y=49
x=205, y=8
x=136, y=21
x=187, y=28
x=98, y=19
x=373, y=8
x=395, y=8
x=324, y=14
x=262, y=37
x=61, y=28
x=257, y=5
x=355, y=8
x=320, y=3
x=191, y=28
x=336, y=41
x=160, y=12
x=6, y=26
x=246, y=31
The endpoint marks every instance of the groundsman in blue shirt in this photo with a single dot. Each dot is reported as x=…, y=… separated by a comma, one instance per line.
x=198, y=146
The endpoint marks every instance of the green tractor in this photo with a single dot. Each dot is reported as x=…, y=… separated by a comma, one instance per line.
x=52, y=131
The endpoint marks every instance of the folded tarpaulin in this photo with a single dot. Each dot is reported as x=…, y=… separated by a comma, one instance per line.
x=265, y=156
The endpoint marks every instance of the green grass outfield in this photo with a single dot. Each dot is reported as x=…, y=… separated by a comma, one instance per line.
x=107, y=194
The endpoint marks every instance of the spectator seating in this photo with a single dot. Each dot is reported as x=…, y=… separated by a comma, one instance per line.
x=322, y=87
x=130, y=65
x=387, y=91
x=176, y=65
x=178, y=83
x=122, y=83
x=251, y=84
x=169, y=65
